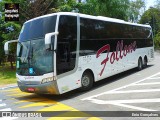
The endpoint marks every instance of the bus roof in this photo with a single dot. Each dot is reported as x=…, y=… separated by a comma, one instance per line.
x=91, y=17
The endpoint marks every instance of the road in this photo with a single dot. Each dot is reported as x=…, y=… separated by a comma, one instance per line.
x=129, y=91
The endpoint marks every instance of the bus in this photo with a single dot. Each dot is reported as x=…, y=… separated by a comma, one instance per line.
x=64, y=51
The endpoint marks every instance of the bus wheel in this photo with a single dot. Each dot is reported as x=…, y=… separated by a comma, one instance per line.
x=86, y=81
x=140, y=64
x=145, y=62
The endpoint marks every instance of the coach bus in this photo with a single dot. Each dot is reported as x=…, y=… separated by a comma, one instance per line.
x=63, y=51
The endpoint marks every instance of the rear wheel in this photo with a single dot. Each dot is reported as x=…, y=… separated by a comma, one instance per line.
x=86, y=81
x=145, y=62
x=140, y=64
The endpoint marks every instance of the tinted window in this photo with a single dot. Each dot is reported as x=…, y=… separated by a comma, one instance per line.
x=97, y=29
x=37, y=28
x=96, y=33
x=66, y=43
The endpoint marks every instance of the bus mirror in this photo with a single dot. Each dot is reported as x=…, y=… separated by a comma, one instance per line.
x=6, y=48
x=7, y=44
x=19, y=49
x=48, y=42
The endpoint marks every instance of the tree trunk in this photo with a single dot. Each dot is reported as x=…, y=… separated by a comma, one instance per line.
x=11, y=64
x=11, y=61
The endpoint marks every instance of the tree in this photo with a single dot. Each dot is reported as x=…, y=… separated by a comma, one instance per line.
x=8, y=31
x=1, y=51
x=33, y=8
x=136, y=7
x=151, y=16
x=70, y=5
x=157, y=36
x=157, y=40
x=110, y=8
x=28, y=9
x=1, y=40
x=157, y=5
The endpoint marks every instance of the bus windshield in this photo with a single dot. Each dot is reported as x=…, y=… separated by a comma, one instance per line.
x=32, y=57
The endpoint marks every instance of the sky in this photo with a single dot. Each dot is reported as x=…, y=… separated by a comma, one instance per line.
x=150, y=3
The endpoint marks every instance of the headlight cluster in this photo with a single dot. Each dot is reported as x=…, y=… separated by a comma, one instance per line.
x=49, y=79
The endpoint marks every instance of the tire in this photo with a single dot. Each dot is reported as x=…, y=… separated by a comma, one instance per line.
x=86, y=81
x=145, y=62
x=140, y=64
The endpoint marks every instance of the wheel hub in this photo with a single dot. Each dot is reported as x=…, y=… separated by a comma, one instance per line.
x=85, y=81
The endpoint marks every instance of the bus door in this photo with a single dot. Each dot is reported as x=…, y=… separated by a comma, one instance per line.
x=66, y=44
x=63, y=57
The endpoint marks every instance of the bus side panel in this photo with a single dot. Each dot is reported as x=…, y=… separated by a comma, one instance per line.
x=69, y=82
x=123, y=64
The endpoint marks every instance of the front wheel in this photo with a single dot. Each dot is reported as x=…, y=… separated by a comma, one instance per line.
x=86, y=81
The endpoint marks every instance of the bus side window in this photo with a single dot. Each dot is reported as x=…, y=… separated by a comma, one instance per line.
x=66, y=44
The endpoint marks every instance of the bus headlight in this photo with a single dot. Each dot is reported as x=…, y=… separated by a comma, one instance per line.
x=49, y=79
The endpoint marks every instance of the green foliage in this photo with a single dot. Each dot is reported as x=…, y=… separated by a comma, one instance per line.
x=135, y=9
x=70, y=5
x=28, y=10
x=1, y=40
x=157, y=5
x=12, y=30
x=8, y=30
x=157, y=40
x=157, y=36
x=7, y=76
x=110, y=8
x=151, y=16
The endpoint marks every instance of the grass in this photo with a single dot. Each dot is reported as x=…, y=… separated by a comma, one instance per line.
x=7, y=76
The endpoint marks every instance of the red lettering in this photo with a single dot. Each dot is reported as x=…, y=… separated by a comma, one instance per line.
x=102, y=49
x=114, y=55
x=125, y=50
x=134, y=45
x=112, y=58
x=121, y=48
x=130, y=48
x=117, y=49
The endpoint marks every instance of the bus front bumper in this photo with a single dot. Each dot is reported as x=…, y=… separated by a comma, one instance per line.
x=45, y=88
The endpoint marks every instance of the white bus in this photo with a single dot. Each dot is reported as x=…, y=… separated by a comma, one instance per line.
x=63, y=51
